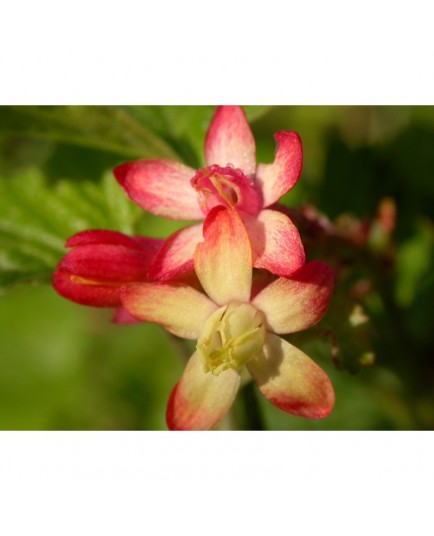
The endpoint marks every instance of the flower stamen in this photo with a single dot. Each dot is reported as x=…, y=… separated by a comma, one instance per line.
x=231, y=337
x=227, y=186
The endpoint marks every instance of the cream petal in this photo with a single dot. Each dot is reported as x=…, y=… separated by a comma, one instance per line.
x=181, y=309
x=297, y=303
x=291, y=381
x=200, y=400
x=223, y=261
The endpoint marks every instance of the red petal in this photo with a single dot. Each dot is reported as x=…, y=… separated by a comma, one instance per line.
x=101, y=261
x=230, y=141
x=99, y=236
x=297, y=303
x=276, y=243
x=85, y=294
x=291, y=381
x=106, y=263
x=161, y=187
x=278, y=178
x=175, y=258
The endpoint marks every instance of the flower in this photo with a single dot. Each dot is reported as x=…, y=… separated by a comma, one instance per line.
x=99, y=263
x=235, y=327
x=230, y=178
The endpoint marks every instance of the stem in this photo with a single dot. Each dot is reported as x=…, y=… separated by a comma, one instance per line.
x=247, y=411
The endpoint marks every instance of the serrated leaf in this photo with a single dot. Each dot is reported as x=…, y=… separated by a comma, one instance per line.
x=36, y=218
x=109, y=128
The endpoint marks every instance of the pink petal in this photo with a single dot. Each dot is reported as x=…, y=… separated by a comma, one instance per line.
x=122, y=316
x=200, y=400
x=276, y=179
x=291, y=381
x=175, y=257
x=99, y=236
x=181, y=309
x=223, y=262
x=149, y=246
x=230, y=141
x=276, y=243
x=299, y=302
x=161, y=187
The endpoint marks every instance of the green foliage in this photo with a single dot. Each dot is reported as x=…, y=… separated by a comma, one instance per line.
x=109, y=128
x=415, y=261
x=130, y=131
x=36, y=218
x=64, y=366
x=373, y=399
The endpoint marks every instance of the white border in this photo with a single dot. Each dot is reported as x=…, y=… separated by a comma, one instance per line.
x=216, y=483
x=190, y=53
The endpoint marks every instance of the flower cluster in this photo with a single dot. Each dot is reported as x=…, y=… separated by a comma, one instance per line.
x=234, y=282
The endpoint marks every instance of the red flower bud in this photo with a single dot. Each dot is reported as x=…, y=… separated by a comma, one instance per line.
x=99, y=263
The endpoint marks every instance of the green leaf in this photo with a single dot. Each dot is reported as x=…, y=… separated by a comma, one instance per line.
x=36, y=218
x=109, y=128
x=256, y=112
x=175, y=132
x=414, y=262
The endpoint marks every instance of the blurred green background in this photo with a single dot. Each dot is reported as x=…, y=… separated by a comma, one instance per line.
x=64, y=366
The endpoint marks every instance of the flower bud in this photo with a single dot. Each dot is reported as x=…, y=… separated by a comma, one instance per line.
x=99, y=263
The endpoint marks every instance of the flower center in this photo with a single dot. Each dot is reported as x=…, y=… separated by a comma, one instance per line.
x=226, y=186
x=231, y=337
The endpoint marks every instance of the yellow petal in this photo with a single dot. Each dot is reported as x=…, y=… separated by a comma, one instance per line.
x=201, y=400
x=181, y=309
x=223, y=261
x=298, y=302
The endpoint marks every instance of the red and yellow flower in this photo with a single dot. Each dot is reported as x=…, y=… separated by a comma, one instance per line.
x=236, y=328
x=231, y=178
x=245, y=239
x=99, y=263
